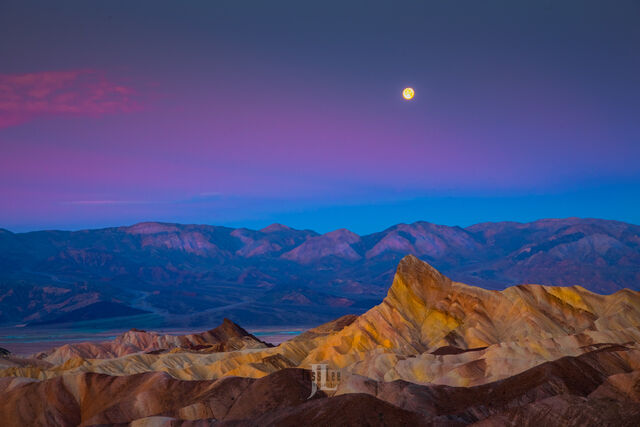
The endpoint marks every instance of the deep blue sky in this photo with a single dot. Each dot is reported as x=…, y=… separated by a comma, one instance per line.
x=251, y=112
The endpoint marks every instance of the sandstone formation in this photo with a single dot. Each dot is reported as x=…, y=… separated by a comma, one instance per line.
x=434, y=352
x=425, y=311
x=593, y=389
x=226, y=337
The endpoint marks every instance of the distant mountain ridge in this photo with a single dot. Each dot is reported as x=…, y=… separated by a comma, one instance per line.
x=199, y=274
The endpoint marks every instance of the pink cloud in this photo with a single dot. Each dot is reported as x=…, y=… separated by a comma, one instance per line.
x=76, y=92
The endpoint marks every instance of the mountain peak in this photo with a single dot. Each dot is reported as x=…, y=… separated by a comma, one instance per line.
x=275, y=227
x=343, y=234
x=151, y=228
x=411, y=266
x=408, y=260
x=335, y=243
x=425, y=310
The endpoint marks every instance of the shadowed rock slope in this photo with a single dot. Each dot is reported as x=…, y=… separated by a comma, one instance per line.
x=597, y=388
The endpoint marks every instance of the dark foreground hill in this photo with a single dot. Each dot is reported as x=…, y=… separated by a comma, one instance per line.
x=198, y=274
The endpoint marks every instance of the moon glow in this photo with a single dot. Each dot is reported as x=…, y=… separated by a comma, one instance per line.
x=408, y=93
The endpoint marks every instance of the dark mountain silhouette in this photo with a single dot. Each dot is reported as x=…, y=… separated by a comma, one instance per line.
x=198, y=274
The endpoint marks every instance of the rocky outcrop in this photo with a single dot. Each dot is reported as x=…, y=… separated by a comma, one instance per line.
x=345, y=410
x=607, y=373
x=425, y=311
x=226, y=337
x=281, y=398
x=597, y=388
x=90, y=399
x=434, y=352
x=568, y=410
x=428, y=329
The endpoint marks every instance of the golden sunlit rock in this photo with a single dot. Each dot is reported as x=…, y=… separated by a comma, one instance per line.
x=429, y=330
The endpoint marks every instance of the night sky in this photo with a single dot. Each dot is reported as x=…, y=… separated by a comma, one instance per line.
x=245, y=113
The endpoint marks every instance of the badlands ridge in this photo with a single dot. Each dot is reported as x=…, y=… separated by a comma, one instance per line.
x=434, y=352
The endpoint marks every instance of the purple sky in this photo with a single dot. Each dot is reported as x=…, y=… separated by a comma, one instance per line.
x=246, y=113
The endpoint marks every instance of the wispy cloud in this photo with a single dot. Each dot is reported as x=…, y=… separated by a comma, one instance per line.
x=109, y=202
x=76, y=92
x=211, y=194
x=201, y=197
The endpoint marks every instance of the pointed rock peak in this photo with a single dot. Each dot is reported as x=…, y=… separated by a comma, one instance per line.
x=418, y=276
x=409, y=259
x=230, y=328
x=228, y=322
x=412, y=262
x=275, y=227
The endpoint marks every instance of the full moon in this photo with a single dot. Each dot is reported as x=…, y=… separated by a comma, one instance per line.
x=408, y=93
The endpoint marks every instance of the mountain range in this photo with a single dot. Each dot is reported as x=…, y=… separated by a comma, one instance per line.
x=433, y=352
x=163, y=274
